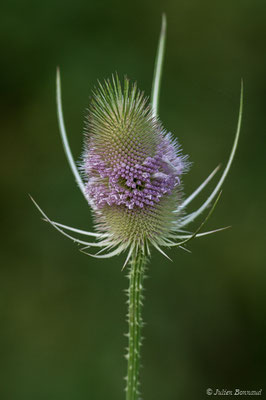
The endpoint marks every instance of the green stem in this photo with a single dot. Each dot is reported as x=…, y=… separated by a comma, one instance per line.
x=138, y=261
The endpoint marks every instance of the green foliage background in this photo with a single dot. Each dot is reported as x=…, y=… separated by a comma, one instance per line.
x=62, y=313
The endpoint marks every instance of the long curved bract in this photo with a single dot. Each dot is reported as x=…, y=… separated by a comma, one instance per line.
x=63, y=135
x=191, y=217
x=156, y=85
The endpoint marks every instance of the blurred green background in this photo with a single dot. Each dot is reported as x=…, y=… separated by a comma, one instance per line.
x=62, y=313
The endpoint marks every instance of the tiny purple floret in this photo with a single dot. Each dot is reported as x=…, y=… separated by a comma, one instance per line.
x=123, y=181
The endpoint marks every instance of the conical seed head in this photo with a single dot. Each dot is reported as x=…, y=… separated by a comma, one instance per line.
x=132, y=167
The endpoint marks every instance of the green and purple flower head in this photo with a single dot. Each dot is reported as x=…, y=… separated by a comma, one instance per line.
x=132, y=168
x=131, y=171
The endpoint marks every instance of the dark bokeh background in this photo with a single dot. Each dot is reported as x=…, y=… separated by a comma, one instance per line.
x=62, y=313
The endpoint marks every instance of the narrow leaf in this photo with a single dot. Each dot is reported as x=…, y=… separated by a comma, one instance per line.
x=158, y=68
x=195, y=214
x=64, y=138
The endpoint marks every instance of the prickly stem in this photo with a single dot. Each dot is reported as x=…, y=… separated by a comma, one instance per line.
x=136, y=274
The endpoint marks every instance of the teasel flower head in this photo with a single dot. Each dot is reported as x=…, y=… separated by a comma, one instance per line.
x=132, y=168
x=131, y=171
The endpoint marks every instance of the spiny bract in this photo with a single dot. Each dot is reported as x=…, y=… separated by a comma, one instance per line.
x=131, y=166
